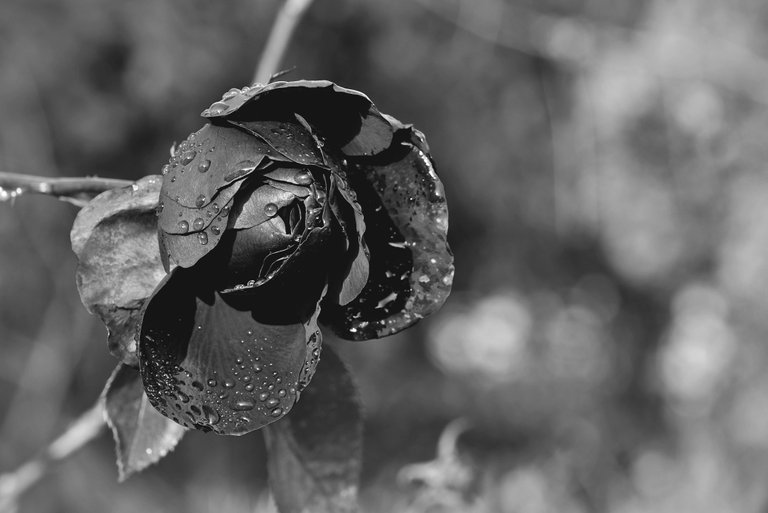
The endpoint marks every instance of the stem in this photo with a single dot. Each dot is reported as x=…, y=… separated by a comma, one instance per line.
x=287, y=19
x=74, y=190
x=83, y=430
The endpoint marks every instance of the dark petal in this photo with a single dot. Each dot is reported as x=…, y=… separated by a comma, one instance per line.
x=211, y=159
x=355, y=267
x=142, y=435
x=407, y=222
x=374, y=137
x=115, y=240
x=313, y=250
x=258, y=204
x=289, y=139
x=344, y=118
x=230, y=364
x=187, y=249
x=314, y=454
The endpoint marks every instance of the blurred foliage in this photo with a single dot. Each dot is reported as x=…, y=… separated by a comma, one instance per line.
x=605, y=167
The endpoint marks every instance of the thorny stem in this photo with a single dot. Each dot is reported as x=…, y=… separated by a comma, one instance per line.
x=83, y=430
x=77, y=191
x=287, y=19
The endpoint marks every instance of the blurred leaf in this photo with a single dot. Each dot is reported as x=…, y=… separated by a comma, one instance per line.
x=143, y=436
x=315, y=453
x=115, y=240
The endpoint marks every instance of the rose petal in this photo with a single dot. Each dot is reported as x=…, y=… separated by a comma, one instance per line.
x=345, y=118
x=258, y=204
x=231, y=364
x=211, y=159
x=115, y=240
x=187, y=249
x=375, y=135
x=349, y=213
x=411, y=264
x=289, y=139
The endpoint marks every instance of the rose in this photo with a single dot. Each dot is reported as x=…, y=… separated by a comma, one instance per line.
x=297, y=203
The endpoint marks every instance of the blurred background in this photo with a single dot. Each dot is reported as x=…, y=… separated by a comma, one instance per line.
x=605, y=163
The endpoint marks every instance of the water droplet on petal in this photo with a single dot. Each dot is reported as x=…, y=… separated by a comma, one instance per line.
x=303, y=177
x=270, y=209
x=277, y=412
x=198, y=224
x=273, y=402
x=216, y=230
x=263, y=396
x=211, y=415
x=165, y=169
x=217, y=108
x=200, y=201
x=243, y=405
x=202, y=238
x=187, y=157
x=183, y=226
x=228, y=383
x=212, y=383
x=204, y=165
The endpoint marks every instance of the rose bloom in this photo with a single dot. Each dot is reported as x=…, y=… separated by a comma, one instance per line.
x=297, y=204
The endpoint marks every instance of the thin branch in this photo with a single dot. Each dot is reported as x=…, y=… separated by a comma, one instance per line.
x=86, y=428
x=287, y=19
x=74, y=190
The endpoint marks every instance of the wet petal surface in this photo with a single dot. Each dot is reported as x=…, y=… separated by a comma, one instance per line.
x=345, y=118
x=407, y=218
x=231, y=363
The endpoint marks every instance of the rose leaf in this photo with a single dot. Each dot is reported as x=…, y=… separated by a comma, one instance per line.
x=314, y=454
x=115, y=240
x=142, y=435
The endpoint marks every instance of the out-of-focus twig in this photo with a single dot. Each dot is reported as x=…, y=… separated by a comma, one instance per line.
x=74, y=190
x=287, y=19
x=83, y=430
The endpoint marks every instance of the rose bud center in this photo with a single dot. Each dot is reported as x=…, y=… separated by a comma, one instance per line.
x=271, y=217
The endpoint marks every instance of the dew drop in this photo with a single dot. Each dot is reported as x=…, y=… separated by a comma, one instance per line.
x=270, y=209
x=249, y=387
x=277, y=412
x=212, y=383
x=204, y=165
x=273, y=402
x=184, y=397
x=281, y=393
x=198, y=224
x=303, y=177
x=200, y=201
x=225, y=211
x=183, y=226
x=211, y=415
x=263, y=396
x=228, y=383
x=257, y=367
x=243, y=405
x=197, y=386
x=187, y=157
x=217, y=108
x=202, y=238
x=166, y=168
